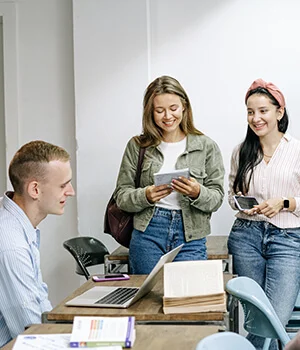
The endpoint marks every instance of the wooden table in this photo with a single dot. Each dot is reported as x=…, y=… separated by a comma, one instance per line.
x=147, y=309
x=216, y=249
x=148, y=337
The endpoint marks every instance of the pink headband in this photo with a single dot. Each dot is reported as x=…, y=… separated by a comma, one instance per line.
x=270, y=87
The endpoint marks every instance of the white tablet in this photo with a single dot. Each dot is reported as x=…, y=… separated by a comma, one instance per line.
x=166, y=178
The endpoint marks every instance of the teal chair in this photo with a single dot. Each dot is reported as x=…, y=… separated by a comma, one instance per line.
x=293, y=325
x=297, y=304
x=260, y=316
x=225, y=341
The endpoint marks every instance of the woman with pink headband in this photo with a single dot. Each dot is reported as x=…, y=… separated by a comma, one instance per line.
x=265, y=240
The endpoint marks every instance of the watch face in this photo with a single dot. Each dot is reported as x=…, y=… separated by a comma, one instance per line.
x=286, y=203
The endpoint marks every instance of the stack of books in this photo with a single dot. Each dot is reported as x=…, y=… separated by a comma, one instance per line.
x=102, y=331
x=193, y=287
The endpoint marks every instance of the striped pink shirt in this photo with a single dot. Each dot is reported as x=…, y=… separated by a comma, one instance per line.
x=279, y=178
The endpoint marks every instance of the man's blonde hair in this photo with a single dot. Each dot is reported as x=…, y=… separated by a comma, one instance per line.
x=29, y=162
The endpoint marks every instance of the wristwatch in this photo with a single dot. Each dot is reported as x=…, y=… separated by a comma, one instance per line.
x=286, y=203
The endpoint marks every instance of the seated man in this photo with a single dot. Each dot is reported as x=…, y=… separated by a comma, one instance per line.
x=40, y=174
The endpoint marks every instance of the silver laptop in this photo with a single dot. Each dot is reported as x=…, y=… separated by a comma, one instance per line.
x=122, y=297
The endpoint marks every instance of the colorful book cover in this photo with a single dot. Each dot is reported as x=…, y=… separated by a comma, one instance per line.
x=102, y=331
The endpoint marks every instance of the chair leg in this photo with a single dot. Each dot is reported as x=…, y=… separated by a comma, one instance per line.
x=267, y=343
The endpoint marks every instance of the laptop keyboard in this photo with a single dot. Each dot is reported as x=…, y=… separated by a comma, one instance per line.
x=118, y=297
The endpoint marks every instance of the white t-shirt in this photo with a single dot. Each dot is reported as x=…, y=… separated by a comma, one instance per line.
x=171, y=151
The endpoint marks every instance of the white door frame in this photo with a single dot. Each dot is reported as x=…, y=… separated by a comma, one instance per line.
x=8, y=12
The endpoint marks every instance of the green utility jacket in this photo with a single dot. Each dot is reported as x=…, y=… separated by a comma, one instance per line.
x=202, y=157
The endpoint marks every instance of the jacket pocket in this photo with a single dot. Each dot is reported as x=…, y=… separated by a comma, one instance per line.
x=198, y=174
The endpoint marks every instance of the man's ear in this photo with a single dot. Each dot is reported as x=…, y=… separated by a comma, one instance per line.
x=33, y=189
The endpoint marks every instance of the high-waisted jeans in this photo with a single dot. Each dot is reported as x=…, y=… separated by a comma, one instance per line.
x=164, y=232
x=270, y=256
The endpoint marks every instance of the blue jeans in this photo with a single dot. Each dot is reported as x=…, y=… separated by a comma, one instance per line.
x=270, y=256
x=164, y=232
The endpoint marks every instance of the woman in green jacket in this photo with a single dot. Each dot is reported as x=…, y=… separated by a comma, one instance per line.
x=168, y=215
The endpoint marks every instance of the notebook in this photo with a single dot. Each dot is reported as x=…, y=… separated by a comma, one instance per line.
x=122, y=297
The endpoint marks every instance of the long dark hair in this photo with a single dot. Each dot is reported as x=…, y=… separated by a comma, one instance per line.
x=251, y=152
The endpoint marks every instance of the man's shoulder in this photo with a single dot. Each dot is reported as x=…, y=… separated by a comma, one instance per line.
x=11, y=230
x=7, y=218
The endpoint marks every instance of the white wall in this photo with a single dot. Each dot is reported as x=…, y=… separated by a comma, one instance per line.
x=110, y=53
x=215, y=48
x=46, y=111
x=2, y=125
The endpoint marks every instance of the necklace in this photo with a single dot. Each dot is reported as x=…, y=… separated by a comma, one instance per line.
x=274, y=149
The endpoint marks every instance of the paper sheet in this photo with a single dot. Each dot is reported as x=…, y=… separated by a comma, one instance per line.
x=49, y=342
x=193, y=278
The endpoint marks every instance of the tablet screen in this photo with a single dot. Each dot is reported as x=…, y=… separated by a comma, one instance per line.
x=246, y=203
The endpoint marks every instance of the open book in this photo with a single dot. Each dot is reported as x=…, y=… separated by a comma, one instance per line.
x=194, y=286
x=102, y=331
